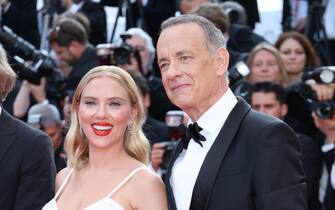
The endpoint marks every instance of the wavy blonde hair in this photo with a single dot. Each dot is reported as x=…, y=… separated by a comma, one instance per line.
x=135, y=142
x=274, y=51
x=7, y=76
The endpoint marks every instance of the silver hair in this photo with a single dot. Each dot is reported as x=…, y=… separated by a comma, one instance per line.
x=148, y=41
x=212, y=34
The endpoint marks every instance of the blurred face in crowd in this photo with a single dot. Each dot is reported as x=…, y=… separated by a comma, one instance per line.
x=192, y=75
x=268, y=104
x=138, y=44
x=104, y=112
x=264, y=67
x=64, y=54
x=293, y=55
x=187, y=6
x=55, y=133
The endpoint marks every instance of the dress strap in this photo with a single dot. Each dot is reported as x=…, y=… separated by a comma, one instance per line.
x=63, y=184
x=126, y=179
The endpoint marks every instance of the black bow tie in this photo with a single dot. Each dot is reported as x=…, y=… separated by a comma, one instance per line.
x=193, y=132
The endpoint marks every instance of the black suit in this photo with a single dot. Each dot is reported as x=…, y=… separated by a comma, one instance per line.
x=254, y=163
x=27, y=169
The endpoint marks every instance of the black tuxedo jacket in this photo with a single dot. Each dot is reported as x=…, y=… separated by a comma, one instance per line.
x=27, y=169
x=254, y=163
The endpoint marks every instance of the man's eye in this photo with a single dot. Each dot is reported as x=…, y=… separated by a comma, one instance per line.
x=185, y=58
x=163, y=66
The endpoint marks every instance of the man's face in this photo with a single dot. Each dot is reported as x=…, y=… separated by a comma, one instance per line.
x=268, y=104
x=138, y=43
x=55, y=133
x=193, y=77
x=64, y=54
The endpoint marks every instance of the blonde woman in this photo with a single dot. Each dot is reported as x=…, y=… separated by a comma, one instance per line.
x=106, y=149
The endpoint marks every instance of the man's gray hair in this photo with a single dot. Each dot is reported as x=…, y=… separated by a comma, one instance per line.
x=148, y=41
x=214, y=37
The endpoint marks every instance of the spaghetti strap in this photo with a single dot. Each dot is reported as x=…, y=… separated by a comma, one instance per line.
x=63, y=184
x=126, y=179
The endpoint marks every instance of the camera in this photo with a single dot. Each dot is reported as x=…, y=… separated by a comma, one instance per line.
x=110, y=54
x=322, y=75
x=238, y=71
x=40, y=63
x=168, y=147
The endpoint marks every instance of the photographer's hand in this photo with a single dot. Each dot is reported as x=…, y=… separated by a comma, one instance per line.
x=38, y=91
x=323, y=91
x=22, y=100
x=327, y=126
x=156, y=155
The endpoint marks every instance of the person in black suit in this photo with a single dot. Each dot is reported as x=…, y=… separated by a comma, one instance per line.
x=27, y=169
x=270, y=98
x=234, y=157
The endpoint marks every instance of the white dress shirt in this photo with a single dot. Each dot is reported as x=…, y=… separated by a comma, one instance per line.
x=187, y=166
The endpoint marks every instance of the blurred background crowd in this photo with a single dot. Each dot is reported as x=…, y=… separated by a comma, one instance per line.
x=282, y=61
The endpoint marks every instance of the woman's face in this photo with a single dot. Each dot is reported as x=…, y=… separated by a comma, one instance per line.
x=264, y=67
x=293, y=55
x=104, y=112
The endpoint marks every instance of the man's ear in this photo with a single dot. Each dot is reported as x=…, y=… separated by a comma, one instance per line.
x=284, y=110
x=222, y=60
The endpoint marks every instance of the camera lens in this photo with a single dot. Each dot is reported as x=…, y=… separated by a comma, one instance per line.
x=324, y=110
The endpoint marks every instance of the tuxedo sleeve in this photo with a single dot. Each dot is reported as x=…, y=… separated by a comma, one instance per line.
x=37, y=177
x=278, y=176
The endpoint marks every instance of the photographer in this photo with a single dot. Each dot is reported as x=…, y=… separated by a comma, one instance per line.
x=68, y=39
x=327, y=126
x=141, y=61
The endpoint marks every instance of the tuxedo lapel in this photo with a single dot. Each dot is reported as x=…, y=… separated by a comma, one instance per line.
x=169, y=191
x=210, y=167
x=7, y=134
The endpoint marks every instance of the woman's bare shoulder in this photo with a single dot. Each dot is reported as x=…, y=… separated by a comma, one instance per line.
x=150, y=191
x=61, y=176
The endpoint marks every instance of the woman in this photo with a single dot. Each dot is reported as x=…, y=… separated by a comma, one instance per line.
x=266, y=64
x=297, y=53
x=106, y=148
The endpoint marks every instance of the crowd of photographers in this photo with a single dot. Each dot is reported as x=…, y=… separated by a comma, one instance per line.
x=286, y=79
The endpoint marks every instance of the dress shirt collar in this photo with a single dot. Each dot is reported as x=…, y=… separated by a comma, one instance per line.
x=216, y=115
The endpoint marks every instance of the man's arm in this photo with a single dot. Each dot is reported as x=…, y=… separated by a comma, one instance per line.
x=36, y=186
x=279, y=180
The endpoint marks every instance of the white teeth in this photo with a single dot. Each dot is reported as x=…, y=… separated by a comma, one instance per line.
x=102, y=128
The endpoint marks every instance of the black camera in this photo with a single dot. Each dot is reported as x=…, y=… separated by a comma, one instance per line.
x=39, y=63
x=322, y=109
x=110, y=54
x=324, y=75
x=169, y=147
x=237, y=72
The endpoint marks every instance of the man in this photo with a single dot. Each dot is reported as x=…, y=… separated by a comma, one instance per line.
x=68, y=39
x=269, y=98
x=241, y=159
x=46, y=117
x=327, y=127
x=27, y=170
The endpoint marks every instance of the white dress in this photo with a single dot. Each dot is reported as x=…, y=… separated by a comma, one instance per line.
x=106, y=203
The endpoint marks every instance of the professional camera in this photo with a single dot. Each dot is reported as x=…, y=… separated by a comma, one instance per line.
x=323, y=75
x=39, y=63
x=111, y=54
x=237, y=72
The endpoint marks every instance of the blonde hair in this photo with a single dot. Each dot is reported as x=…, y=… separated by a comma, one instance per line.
x=7, y=76
x=274, y=51
x=135, y=142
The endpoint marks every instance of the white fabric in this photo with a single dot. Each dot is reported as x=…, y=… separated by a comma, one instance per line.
x=106, y=203
x=329, y=19
x=332, y=176
x=188, y=164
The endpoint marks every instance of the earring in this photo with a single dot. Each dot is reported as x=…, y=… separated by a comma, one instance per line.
x=130, y=127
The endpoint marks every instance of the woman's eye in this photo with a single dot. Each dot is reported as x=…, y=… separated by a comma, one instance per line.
x=90, y=103
x=115, y=104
